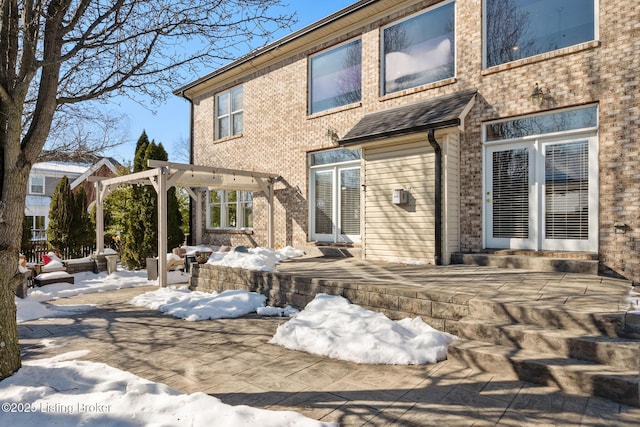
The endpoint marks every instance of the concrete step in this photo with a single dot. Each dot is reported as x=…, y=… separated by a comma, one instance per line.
x=570, y=375
x=616, y=352
x=585, y=265
x=535, y=312
x=333, y=251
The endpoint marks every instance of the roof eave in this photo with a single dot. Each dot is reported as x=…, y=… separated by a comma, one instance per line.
x=398, y=132
x=181, y=91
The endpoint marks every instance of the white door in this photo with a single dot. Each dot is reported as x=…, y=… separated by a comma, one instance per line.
x=335, y=215
x=542, y=195
x=510, y=197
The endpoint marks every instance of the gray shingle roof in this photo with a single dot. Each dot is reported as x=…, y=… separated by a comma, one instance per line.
x=443, y=111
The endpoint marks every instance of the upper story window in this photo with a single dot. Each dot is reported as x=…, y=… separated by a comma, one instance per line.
x=230, y=209
x=335, y=77
x=419, y=50
x=36, y=185
x=516, y=29
x=229, y=113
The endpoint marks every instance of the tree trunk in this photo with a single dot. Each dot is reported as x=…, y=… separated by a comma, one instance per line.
x=11, y=217
x=14, y=176
x=9, y=344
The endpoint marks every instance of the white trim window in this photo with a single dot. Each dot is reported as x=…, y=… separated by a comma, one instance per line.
x=335, y=77
x=229, y=209
x=36, y=185
x=515, y=29
x=419, y=49
x=541, y=182
x=229, y=113
x=38, y=226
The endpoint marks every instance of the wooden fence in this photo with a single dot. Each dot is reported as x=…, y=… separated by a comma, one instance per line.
x=34, y=251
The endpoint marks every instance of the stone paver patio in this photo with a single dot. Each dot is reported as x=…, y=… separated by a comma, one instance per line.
x=232, y=360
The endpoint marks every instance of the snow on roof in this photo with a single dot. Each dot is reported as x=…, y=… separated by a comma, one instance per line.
x=60, y=168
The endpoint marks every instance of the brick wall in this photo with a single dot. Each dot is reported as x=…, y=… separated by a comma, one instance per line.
x=279, y=133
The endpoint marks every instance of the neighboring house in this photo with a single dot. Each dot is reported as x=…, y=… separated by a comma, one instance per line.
x=416, y=129
x=44, y=178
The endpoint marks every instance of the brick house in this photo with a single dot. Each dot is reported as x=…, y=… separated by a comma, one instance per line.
x=418, y=129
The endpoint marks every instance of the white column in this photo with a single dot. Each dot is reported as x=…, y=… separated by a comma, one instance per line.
x=270, y=220
x=162, y=227
x=99, y=218
x=198, y=223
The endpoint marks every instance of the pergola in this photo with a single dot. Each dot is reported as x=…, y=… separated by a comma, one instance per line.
x=195, y=180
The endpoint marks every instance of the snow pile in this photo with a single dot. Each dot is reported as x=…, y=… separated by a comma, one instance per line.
x=63, y=392
x=333, y=327
x=270, y=311
x=88, y=282
x=257, y=259
x=31, y=310
x=195, y=305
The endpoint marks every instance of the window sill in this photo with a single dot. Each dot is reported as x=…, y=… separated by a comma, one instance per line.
x=228, y=138
x=439, y=83
x=228, y=231
x=542, y=57
x=334, y=110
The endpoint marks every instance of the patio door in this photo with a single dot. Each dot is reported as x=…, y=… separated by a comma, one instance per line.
x=335, y=207
x=510, y=197
x=542, y=195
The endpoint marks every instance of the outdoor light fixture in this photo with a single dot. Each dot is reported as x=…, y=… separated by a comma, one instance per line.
x=537, y=96
x=332, y=136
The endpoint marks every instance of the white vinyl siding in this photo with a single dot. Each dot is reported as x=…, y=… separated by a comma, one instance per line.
x=404, y=233
x=450, y=195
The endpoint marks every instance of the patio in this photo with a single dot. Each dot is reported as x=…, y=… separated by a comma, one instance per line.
x=232, y=360
x=567, y=330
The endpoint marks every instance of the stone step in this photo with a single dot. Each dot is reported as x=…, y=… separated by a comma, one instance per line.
x=570, y=375
x=333, y=251
x=616, y=352
x=527, y=262
x=535, y=312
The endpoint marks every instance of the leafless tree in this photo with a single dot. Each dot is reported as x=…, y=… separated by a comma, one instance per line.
x=507, y=27
x=55, y=54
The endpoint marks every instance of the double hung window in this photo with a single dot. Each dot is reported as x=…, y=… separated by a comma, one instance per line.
x=229, y=113
x=419, y=50
x=516, y=29
x=36, y=185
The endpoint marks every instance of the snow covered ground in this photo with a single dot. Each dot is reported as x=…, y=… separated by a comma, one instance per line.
x=69, y=392
x=62, y=391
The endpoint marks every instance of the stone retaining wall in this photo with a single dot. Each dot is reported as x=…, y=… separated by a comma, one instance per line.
x=440, y=310
x=78, y=267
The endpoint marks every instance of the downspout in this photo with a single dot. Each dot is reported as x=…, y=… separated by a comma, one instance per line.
x=438, y=194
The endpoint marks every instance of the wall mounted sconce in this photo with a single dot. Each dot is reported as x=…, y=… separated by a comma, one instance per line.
x=332, y=136
x=620, y=227
x=537, y=96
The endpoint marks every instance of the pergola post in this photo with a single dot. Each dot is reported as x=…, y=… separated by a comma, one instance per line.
x=198, y=202
x=162, y=226
x=99, y=218
x=270, y=215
